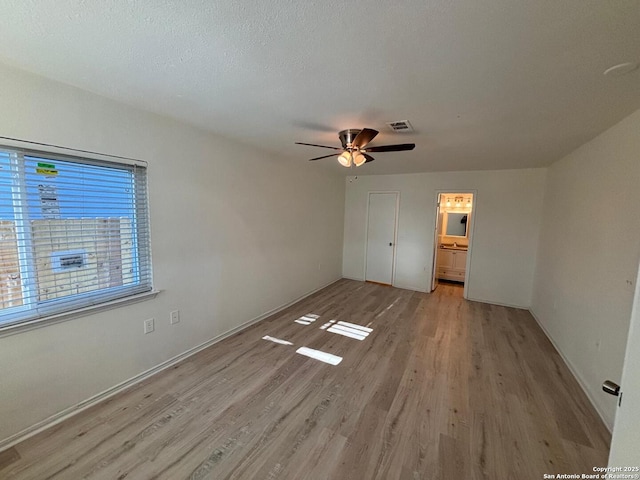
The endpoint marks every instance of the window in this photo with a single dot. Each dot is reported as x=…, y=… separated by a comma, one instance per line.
x=74, y=232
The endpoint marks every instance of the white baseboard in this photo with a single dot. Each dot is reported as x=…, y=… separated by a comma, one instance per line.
x=493, y=302
x=89, y=402
x=403, y=287
x=410, y=287
x=574, y=372
x=354, y=278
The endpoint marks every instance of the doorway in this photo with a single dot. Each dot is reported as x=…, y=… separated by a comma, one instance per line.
x=452, y=238
x=381, y=237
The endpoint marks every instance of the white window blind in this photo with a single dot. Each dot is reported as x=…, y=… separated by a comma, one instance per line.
x=74, y=232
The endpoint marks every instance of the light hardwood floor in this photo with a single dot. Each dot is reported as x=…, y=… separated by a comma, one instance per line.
x=441, y=389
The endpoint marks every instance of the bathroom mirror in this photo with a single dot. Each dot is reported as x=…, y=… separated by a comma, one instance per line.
x=456, y=224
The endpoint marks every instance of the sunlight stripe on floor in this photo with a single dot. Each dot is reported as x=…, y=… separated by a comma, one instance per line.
x=276, y=340
x=348, y=333
x=319, y=355
x=307, y=319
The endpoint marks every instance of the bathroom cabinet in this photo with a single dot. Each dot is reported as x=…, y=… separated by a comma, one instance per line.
x=451, y=264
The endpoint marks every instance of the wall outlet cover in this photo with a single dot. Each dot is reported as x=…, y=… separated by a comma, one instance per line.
x=149, y=325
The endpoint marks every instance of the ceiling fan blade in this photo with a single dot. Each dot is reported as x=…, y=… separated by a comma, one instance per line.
x=392, y=148
x=364, y=137
x=326, y=156
x=368, y=157
x=321, y=146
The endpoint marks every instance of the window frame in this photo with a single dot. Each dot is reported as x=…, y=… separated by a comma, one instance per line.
x=36, y=313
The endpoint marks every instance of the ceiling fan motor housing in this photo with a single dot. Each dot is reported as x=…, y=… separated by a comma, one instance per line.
x=347, y=137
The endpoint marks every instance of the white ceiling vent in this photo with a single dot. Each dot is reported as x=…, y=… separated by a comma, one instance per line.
x=402, y=126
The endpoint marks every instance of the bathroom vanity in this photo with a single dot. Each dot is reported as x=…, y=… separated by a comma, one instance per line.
x=451, y=263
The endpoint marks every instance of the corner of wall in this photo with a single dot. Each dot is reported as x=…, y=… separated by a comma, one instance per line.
x=608, y=422
x=536, y=272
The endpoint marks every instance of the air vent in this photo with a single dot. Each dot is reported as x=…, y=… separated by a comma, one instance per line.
x=67, y=260
x=402, y=126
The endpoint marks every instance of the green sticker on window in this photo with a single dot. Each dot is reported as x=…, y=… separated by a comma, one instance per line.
x=46, y=169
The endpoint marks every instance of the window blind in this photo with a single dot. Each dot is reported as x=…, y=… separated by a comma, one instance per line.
x=74, y=232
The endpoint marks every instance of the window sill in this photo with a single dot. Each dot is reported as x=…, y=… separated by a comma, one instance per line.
x=63, y=317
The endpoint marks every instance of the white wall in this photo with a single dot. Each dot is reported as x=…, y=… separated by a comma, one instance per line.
x=507, y=214
x=589, y=250
x=235, y=233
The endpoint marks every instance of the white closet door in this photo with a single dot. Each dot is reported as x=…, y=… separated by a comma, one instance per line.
x=381, y=234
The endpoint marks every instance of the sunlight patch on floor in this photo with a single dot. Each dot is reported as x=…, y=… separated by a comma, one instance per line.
x=277, y=340
x=307, y=319
x=327, y=325
x=319, y=355
x=350, y=330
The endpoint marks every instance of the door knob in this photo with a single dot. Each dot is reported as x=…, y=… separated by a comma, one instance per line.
x=390, y=244
x=611, y=388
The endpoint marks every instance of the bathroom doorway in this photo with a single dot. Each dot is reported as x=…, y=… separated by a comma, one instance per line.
x=452, y=238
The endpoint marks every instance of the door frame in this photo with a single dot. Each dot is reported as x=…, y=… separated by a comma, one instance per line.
x=474, y=213
x=434, y=256
x=395, y=234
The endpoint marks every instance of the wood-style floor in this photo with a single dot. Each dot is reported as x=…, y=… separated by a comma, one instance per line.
x=441, y=389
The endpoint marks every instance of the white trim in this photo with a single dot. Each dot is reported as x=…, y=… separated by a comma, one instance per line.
x=412, y=288
x=470, y=235
x=366, y=239
x=26, y=326
x=434, y=252
x=395, y=239
x=41, y=147
x=501, y=304
x=575, y=373
x=110, y=392
x=399, y=286
x=354, y=278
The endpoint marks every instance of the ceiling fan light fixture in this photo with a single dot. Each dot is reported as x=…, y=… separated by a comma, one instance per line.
x=359, y=159
x=345, y=159
x=355, y=147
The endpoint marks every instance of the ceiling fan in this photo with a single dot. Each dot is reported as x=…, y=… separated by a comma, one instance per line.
x=354, y=149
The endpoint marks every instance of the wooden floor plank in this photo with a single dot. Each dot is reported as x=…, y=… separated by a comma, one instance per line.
x=442, y=388
x=8, y=457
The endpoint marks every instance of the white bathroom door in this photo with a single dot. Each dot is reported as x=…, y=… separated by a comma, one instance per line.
x=381, y=237
x=626, y=434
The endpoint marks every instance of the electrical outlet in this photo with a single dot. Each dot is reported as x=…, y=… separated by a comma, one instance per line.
x=149, y=325
x=174, y=317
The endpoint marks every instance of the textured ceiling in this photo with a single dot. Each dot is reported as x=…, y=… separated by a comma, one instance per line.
x=486, y=84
